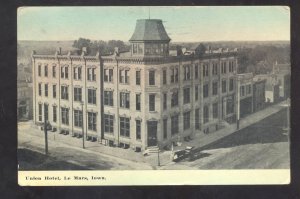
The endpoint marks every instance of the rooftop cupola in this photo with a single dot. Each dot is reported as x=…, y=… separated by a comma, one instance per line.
x=149, y=38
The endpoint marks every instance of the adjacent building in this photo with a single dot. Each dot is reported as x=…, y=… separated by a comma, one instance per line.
x=24, y=85
x=271, y=88
x=251, y=91
x=138, y=99
x=283, y=73
x=245, y=83
x=259, y=97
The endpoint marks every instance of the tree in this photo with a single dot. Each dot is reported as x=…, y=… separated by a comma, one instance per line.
x=82, y=42
x=200, y=50
x=179, y=50
x=102, y=46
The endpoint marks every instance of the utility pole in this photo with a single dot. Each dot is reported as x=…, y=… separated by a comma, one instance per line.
x=45, y=131
x=287, y=120
x=238, y=104
x=82, y=124
x=158, y=160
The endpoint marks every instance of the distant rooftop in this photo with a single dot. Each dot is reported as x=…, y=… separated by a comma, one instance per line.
x=150, y=30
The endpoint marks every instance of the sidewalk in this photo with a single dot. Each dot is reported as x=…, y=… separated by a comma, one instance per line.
x=126, y=154
x=202, y=139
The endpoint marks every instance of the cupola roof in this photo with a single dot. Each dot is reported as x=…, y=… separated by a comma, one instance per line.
x=150, y=30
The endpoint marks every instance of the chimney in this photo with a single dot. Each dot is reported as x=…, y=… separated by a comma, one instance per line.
x=116, y=52
x=58, y=50
x=84, y=51
x=208, y=48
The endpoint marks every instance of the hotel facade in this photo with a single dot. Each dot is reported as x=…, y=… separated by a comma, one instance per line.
x=137, y=99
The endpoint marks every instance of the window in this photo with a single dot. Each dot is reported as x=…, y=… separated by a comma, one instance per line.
x=231, y=66
x=124, y=100
x=124, y=76
x=196, y=93
x=224, y=67
x=138, y=102
x=215, y=88
x=77, y=94
x=174, y=101
x=231, y=82
x=78, y=118
x=91, y=75
x=64, y=93
x=46, y=90
x=151, y=77
x=140, y=49
x=230, y=105
x=54, y=91
x=66, y=72
x=152, y=102
x=186, y=120
x=206, y=114
x=205, y=70
x=248, y=89
x=39, y=70
x=40, y=89
x=62, y=72
x=187, y=72
x=54, y=113
x=197, y=118
x=205, y=90
x=224, y=86
x=54, y=71
x=165, y=101
x=134, y=48
x=164, y=77
x=92, y=121
x=76, y=73
x=138, y=77
x=108, y=98
x=108, y=75
x=40, y=112
x=196, y=71
x=46, y=112
x=138, y=129
x=79, y=70
x=215, y=110
x=242, y=91
x=108, y=123
x=186, y=95
x=92, y=96
x=65, y=116
x=46, y=70
x=174, y=75
x=124, y=127
x=165, y=130
x=215, y=69
x=174, y=125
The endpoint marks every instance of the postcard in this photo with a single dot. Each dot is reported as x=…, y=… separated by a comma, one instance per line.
x=169, y=95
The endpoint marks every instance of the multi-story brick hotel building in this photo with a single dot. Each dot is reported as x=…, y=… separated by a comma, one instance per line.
x=139, y=99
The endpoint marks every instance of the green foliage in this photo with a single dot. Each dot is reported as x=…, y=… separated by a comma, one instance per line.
x=200, y=50
x=261, y=58
x=102, y=46
x=179, y=50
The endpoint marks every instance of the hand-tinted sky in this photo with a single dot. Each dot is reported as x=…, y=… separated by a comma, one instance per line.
x=181, y=23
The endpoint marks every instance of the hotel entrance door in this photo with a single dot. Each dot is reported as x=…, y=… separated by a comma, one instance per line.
x=152, y=133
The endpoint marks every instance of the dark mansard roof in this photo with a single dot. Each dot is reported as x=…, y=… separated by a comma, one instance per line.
x=150, y=30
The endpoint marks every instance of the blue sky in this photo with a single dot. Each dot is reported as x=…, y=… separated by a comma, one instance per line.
x=182, y=23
